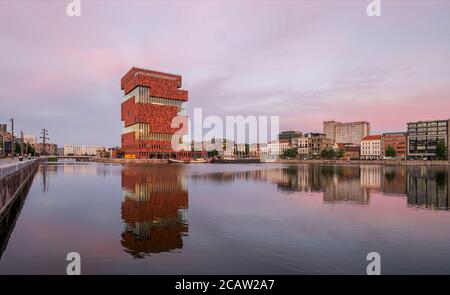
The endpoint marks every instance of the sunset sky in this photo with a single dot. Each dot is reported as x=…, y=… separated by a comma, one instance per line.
x=306, y=61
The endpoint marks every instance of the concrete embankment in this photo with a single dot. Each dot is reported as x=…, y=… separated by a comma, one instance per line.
x=368, y=162
x=13, y=179
x=131, y=161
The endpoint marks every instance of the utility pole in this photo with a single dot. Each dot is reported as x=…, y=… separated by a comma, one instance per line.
x=12, y=138
x=21, y=143
x=44, y=136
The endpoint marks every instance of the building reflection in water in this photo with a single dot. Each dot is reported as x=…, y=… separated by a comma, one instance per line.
x=428, y=187
x=424, y=187
x=153, y=209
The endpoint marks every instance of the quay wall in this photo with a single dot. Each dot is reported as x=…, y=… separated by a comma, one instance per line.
x=13, y=179
x=368, y=162
x=130, y=161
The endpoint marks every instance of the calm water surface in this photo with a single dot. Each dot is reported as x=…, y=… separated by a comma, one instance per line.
x=231, y=219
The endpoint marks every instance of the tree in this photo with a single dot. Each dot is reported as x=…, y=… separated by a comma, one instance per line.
x=327, y=153
x=441, y=150
x=340, y=153
x=290, y=153
x=30, y=149
x=390, y=151
x=17, y=147
x=213, y=153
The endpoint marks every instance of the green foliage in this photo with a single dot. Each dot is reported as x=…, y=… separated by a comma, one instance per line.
x=290, y=153
x=52, y=159
x=30, y=149
x=17, y=147
x=213, y=153
x=332, y=154
x=390, y=151
x=441, y=150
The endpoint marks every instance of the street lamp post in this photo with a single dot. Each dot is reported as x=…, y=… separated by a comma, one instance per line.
x=12, y=138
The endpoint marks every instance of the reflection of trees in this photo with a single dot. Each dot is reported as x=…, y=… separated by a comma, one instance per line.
x=394, y=180
x=153, y=210
x=428, y=187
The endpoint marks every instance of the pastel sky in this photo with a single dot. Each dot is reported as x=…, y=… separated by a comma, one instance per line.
x=307, y=61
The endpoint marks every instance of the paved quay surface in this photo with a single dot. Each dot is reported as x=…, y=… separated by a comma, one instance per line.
x=7, y=161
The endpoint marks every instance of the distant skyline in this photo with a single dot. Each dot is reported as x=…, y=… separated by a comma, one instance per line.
x=306, y=61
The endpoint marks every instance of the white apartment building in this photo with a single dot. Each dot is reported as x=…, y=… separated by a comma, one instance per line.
x=371, y=147
x=274, y=148
x=82, y=150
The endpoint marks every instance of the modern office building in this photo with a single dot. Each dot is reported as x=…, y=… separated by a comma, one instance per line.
x=397, y=140
x=351, y=132
x=151, y=101
x=424, y=136
x=371, y=147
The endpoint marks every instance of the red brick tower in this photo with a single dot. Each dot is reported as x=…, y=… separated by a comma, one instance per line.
x=151, y=100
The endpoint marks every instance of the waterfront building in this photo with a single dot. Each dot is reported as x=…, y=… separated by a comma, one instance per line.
x=274, y=148
x=3, y=128
x=371, y=147
x=49, y=149
x=82, y=150
x=254, y=151
x=240, y=150
x=312, y=144
x=352, y=152
x=29, y=139
x=303, y=146
x=291, y=136
x=397, y=140
x=151, y=101
x=351, y=132
x=60, y=151
x=424, y=136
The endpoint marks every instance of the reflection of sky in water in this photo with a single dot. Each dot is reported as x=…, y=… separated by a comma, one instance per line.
x=271, y=219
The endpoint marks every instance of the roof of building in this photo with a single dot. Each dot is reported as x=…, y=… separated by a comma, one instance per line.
x=352, y=148
x=372, y=137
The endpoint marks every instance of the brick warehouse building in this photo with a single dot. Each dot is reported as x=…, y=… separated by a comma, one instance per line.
x=151, y=100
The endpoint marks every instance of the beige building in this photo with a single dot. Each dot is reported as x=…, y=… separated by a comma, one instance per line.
x=351, y=132
x=82, y=150
x=29, y=139
x=371, y=147
x=312, y=144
